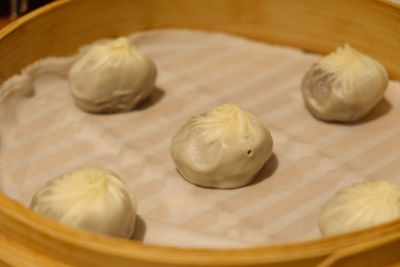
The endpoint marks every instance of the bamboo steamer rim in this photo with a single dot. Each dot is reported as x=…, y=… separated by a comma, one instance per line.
x=42, y=235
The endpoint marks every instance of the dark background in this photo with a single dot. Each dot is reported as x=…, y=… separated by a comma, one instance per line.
x=5, y=12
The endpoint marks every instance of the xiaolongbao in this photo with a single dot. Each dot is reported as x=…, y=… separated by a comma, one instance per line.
x=360, y=206
x=344, y=85
x=224, y=148
x=112, y=77
x=92, y=199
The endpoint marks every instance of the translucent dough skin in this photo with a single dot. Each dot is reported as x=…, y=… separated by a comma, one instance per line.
x=92, y=199
x=360, y=206
x=112, y=77
x=224, y=148
x=344, y=86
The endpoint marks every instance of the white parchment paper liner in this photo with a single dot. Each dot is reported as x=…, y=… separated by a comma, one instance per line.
x=43, y=135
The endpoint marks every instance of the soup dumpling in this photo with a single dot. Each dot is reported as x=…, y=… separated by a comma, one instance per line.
x=223, y=148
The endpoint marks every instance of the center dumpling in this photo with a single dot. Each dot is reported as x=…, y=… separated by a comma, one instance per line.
x=223, y=148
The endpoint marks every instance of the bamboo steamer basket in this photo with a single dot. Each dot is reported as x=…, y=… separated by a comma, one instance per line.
x=27, y=239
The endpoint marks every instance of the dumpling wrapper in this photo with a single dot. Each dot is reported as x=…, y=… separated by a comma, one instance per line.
x=360, y=206
x=344, y=85
x=93, y=199
x=112, y=77
x=223, y=148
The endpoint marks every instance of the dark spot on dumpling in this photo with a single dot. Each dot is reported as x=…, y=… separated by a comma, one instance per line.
x=319, y=83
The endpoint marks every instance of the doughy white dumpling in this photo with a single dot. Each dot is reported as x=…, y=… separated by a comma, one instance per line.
x=111, y=77
x=344, y=85
x=224, y=148
x=92, y=199
x=360, y=206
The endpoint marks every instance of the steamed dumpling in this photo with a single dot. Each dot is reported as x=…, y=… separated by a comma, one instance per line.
x=223, y=148
x=360, y=206
x=92, y=199
x=112, y=77
x=344, y=85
